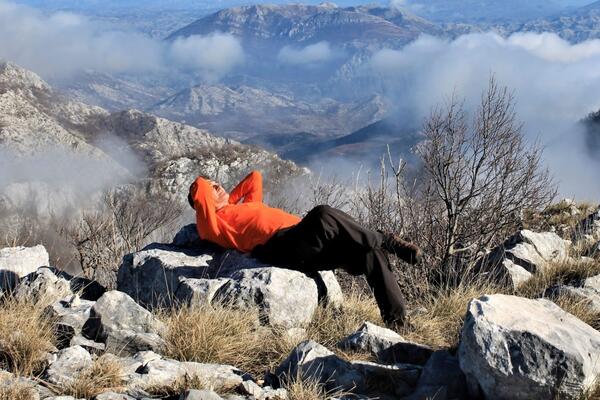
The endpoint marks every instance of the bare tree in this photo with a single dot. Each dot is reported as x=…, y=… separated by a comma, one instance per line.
x=478, y=177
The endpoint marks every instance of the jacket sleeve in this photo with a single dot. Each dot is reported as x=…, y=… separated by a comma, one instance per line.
x=209, y=226
x=249, y=189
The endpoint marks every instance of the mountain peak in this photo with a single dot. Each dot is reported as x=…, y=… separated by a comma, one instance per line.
x=14, y=77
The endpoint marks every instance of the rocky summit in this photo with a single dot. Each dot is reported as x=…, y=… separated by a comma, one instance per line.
x=510, y=347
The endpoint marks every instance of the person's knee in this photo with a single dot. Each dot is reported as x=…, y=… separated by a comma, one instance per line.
x=322, y=210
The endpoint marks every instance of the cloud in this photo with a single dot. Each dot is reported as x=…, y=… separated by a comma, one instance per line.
x=310, y=55
x=216, y=54
x=556, y=84
x=59, y=44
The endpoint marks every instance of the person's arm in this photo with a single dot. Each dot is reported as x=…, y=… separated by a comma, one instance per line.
x=249, y=189
x=208, y=225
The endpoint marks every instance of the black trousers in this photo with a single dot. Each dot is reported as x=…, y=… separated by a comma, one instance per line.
x=328, y=238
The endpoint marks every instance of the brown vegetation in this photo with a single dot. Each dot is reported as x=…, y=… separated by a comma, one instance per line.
x=105, y=374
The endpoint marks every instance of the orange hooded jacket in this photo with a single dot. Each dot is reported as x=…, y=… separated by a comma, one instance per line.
x=237, y=226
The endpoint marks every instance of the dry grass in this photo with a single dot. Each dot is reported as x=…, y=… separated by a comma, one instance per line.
x=213, y=334
x=579, y=308
x=178, y=387
x=570, y=272
x=443, y=312
x=12, y=388
x=331, y=324
x=563, y=216
x=592, y=394
x=26, y=335
x=309, y=388
x=105, y=374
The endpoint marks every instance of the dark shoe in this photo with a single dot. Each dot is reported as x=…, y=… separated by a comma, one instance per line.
x=406, y=251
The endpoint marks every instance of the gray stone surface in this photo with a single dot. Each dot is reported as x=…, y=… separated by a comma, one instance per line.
x=68, y=364
x=522, y=255
x=516, y=348
x=370, y=338
x=441, y=379
x=199, y=291
x=18, y=262
x=592, y=283
x=124, y=326
x=70, y=314
x=148, y=369
x=43, y=285
x=200, y=395
x=113, y=396
x=406, y=352
x=585, y=295
x=283, y=297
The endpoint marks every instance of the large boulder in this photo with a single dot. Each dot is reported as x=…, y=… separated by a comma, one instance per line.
x=522, y=255
x=43, y=285
x=70, y=315
x=17, y=262
x=123, y=325
x=163, y=275
x=68, y=364
x=517, y=348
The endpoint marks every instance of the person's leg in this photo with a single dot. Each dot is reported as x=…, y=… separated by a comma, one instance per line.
x=327, y=238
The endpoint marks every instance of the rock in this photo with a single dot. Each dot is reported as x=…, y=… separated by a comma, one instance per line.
x=387, y=381
x=522, y=255
x=310, y=359
x=441, y=379
x=17, y=262
x=70, y=314
x=283, y=297
x=91, y=346
x=406, y=352
x=43, y=285
x=516, y=348
x=592, y=283
x=581, y=294
x=199, y=291
x=117, y=320
x=187, y=237
x=8, y=380
x=200, y=395
x=148, y=369
x=69, y=363
x=370, y=338
x=590, y=225
x=152, y=276
x=113, y=396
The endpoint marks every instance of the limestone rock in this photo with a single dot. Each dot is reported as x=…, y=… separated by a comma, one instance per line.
x=523, y=255
x=516, y=348
x=441, y=379
x=117, y=320
x=370, y=338
x=17, y=262
x=406, y=352
x=588, y=296
x=148, y=369
x=113, y=396
x=152, y=276
x=200, y=395
x=43, y=285
x=70, y=314
x=310, y=359
x=387, y=381
x=199, y=291
x=592, y=283
x=69, y=363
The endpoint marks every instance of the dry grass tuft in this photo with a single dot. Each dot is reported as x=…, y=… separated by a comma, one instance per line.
x=105, y=374
x=443, y=312
x=12, y=388
x=331, y=324
x=26, y=335
x=570, y=272
x=579, y=308
x=309, y=388
x=213, y=334
x=178, y=387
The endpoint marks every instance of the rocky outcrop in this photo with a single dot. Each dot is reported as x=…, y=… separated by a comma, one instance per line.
x=43, y=285
x=516, y=348
x=522, y=255
x=199, y=273
x=17, y=262
x=124, y=326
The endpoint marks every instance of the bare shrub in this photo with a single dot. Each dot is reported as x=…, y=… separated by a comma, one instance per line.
x=125, y=222
x=26, y=335
x=477, y=179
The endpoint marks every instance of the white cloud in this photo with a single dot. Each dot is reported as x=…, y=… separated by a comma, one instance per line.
x=310, y=55
x=215, y=54
x=60, y=44
x=556, y=84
